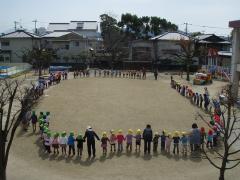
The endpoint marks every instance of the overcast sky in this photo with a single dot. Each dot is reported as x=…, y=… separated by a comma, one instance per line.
x=215, y=13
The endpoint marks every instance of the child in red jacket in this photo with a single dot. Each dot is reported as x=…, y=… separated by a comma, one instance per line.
x=120, y=139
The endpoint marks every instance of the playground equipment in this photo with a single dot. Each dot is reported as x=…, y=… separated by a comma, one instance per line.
x=202, y=79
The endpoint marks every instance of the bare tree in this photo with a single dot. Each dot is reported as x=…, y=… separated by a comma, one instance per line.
x=230, y=132
x=16, y=99
x=39, y=57
x=187, y=54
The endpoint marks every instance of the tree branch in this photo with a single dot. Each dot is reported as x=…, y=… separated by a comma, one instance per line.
x=227, y=168
x=211, y=162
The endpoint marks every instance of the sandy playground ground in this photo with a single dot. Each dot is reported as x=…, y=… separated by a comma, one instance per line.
x=112, y=103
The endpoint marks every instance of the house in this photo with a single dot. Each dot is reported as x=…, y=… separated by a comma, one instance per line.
x=15, y=44
x=157, y=48
x=212, y=44
x=85, y=28
x=73, y=38
x=167, y=46
x=69, y=45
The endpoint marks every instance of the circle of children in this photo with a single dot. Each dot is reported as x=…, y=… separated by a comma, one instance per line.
x=196, y=139
x=131, y=74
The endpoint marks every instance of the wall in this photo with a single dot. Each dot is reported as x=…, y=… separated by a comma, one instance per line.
x=18, y=46
x=143, y=46
x=166, y=49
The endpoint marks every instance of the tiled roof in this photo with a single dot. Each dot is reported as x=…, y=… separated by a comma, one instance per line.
x=19, y=34
x=203, y=36
x=55, y=34
x=171, y=36
x=60, y=34
x=211, y=38
x=86, y=25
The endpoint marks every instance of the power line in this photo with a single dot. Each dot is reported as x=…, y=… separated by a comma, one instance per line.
x=205, y=26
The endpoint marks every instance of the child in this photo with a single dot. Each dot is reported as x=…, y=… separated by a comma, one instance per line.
x=95, y=72
x=210, y=138
x=184, y=141
x=112, y=140
x=201, y=100
x=63, y=142
x=176, y=140
x=203, y=137
x=155, y=141
x=41, y=130
x=120, y=139
x=206, y=101
x=215, y=135
x=138, y=138
x=163, y=139
x=197, y=99
x=194, y=98
x=168, y=143
x=104, y=141
x=71, y=144
x=129, y=138
x=41, y=115
x=34, y=121
x=47, y=119
x=47, y=142
x=55, y=143
x=44, y=133
x=80, y=142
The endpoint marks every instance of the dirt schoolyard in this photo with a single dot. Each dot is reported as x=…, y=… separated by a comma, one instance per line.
x=105, y=104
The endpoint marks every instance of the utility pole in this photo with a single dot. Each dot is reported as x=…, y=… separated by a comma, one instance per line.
x=186, y=28
x=15, y=25
x=35, y=22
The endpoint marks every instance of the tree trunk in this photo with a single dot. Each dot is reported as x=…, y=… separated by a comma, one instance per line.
x=223, y=167
x=188, y=72
x=222, y=172
x=39, y=71
x=2, y=157
x=2, y=173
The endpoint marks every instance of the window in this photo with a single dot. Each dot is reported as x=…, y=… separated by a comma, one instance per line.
x=76, y=43
x=79, y=26
x=67, y=46
x=1, y=58
x=5, y=43
x=7, y=59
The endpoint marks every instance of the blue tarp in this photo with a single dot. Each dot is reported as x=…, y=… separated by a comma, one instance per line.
x=4, y=67
x=59, y=68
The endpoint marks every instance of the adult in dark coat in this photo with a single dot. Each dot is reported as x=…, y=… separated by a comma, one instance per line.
x=147, y=137
x=91, y=135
